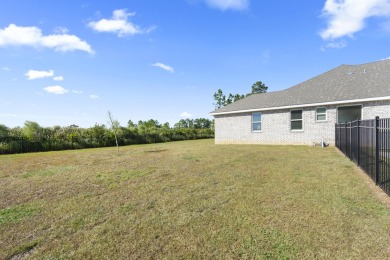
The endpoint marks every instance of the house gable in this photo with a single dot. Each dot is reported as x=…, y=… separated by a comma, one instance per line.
x=344, y=84
x=367, y=85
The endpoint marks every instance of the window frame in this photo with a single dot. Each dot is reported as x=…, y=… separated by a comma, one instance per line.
x=349, y=105
x=295, y=120
x=326, y=114
x=256, y=122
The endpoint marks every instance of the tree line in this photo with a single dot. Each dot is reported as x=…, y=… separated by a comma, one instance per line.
x=34, y=138
x=222, y=100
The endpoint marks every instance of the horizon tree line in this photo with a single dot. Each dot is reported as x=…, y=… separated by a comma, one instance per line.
x=34, y=138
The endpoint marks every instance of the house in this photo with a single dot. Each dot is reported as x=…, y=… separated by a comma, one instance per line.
x=307, y=113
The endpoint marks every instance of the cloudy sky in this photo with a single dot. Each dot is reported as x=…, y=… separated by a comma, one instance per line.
x=69, y=62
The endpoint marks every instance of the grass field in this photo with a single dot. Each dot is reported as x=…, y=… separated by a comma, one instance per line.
x=190, y=199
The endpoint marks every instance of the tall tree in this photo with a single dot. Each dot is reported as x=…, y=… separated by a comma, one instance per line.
x=184, y=123
x=220, y=99
x=131, y=125
x=238, y=97
x=202, y=123
x=32, y=130
x=166, y=125
x=4, y=131
x=230, y=98
x=114, y=124
x=259, y=87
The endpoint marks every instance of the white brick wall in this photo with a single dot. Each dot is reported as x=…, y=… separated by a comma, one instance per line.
x=236, y=128
x=378, y=108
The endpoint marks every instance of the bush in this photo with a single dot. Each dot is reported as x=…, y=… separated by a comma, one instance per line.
x=67, y=138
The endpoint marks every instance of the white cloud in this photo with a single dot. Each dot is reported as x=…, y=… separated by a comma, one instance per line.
x=5, y=69
x=77, y=91
x=185, y=115
x=163, y=66
x=38, y=74
x=93, y=96
x=346, y=17
x=14, y=35
x=61, y=30
x=65, y=42
x=58, y=90
x=335, y=45
x=58, y=78
x=8, y=115
x=228, y=4
x=118, y=24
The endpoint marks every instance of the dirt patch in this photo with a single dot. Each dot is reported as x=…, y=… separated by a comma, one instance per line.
x=24, y=254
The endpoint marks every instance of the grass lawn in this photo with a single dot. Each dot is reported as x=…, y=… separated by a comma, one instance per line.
x=189, y=199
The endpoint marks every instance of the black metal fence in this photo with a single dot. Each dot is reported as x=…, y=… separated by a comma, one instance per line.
x=12, y=145
x=16, y=144
x=367, y=143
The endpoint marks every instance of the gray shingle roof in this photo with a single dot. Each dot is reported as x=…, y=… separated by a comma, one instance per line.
x=346, y=82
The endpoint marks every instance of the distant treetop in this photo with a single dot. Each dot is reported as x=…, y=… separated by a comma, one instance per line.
x=221, y=100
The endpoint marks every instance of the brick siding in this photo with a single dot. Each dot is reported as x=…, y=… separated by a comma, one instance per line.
x=237, y=128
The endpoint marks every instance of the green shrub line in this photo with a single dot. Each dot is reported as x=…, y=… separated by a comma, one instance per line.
x=13, y=145
x=34, y=138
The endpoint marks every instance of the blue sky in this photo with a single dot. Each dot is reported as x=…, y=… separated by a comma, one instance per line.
x=69, y=62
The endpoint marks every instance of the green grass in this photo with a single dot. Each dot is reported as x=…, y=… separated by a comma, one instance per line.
x=190, y=199
x=16, y=213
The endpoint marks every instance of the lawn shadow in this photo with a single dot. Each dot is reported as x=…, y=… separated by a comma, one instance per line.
x=156, y=151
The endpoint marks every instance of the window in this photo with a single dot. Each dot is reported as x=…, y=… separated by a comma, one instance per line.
x=321, y=114
x=296, y=120
x=349, y=113
x=256, y=121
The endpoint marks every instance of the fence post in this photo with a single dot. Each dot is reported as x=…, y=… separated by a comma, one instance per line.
x=338, y=140
x=358, y=142
x=350, y=140
x=346, y=138
x=23, y=146
x=377, y=150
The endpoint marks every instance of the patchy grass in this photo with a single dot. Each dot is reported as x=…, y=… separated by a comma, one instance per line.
x=189, y=199
x=16, y=213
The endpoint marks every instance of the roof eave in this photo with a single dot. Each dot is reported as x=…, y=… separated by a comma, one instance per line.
x=301, y=105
